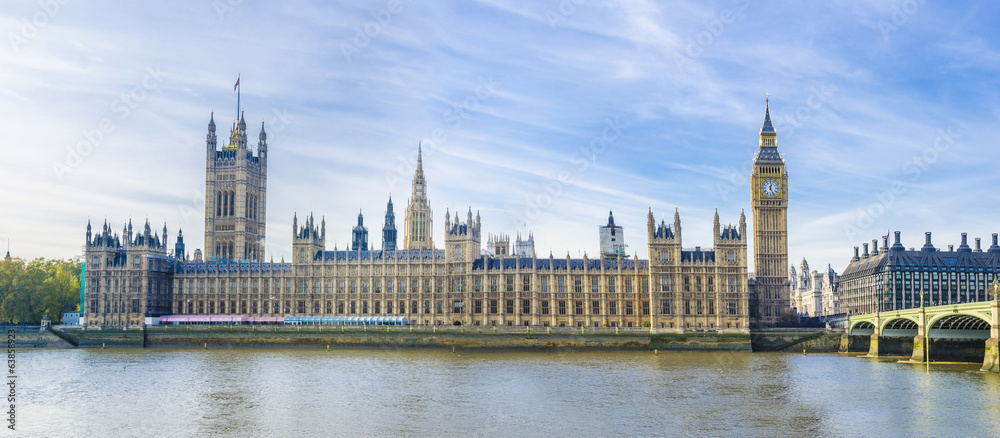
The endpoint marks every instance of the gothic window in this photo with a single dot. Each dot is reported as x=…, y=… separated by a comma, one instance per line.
x=218, y=203
x=666, y=307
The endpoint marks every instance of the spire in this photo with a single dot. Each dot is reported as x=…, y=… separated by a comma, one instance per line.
x=611, y=219
x=263, y=135
x=420, y=158
x=767, y=127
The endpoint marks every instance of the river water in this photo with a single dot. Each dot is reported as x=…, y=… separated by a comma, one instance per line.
x=242, y=392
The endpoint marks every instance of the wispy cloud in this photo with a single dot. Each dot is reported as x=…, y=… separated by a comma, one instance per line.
x=353, y=120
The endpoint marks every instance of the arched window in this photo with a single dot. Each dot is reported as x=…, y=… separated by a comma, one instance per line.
x=232, y=203
x=218, y=203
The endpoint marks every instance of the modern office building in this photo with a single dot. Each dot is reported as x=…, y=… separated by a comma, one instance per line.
x=900, y=278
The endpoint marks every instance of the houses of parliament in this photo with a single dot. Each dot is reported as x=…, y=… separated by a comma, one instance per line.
x=134, y=274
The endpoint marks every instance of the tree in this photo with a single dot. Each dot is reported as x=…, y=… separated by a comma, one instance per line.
x=29, y=290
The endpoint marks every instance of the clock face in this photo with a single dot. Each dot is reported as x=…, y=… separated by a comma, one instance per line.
x=770, y=188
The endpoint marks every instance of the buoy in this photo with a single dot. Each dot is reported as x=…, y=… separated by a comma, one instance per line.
x=102, y=346
x=803, y=351
x=327, y=348
x=656, y=352
x=205, y=347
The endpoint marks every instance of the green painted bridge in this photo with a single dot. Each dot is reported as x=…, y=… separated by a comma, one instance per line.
x=954, y=332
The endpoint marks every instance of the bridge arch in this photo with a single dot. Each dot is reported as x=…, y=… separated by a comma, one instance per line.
x=899, y=327
x=862, y=328
x=959, y=325
x=958, y=337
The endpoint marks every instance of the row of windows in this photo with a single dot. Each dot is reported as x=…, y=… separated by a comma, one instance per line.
x=436, y=285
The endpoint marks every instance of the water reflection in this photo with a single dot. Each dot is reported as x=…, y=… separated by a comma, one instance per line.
x=315, y=392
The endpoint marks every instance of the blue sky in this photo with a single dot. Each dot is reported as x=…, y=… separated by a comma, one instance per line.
x=540, y=115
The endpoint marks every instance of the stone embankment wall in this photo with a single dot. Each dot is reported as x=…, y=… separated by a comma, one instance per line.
x=473, y=338
x=818, y=341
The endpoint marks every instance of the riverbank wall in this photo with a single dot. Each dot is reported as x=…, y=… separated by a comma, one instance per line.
x=797, y=340
x=448, y=338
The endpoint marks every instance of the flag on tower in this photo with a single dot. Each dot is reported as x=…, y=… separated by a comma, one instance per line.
x=237, y=83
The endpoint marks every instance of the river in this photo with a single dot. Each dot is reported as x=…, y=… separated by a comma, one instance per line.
x=234, y=392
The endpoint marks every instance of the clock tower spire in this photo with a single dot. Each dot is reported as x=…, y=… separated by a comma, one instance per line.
x=769, y=195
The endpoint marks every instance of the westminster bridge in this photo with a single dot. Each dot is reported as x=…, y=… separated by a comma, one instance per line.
x=966, y=332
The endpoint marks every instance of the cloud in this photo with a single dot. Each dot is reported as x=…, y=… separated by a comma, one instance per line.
x=353, y=121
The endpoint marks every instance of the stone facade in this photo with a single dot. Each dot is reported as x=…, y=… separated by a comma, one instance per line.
x=235, y=195
x=813, y=293
x=129, y=277
x=769, y=195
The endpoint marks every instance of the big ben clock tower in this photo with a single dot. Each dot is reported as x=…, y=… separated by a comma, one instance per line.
x=769, y=188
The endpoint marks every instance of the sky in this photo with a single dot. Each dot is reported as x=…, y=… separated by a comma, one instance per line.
x=541, y=116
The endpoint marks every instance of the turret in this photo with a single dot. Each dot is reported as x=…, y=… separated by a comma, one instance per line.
x=677, y=223
x=262, y=146
x=715, y=224
x=210, y=139
x=241, y=134
x=359, y=240
x=179, y=246
x=389, y=228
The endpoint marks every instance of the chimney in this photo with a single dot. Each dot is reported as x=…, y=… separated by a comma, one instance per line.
x=897, y=245
x=865, y=255
x=978, y=248
x=874, y=247
x=964, y=247
x=856, y=258
x=927, y=242
x=951, y=248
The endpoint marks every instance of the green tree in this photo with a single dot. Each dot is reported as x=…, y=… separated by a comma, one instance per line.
x=29, y=290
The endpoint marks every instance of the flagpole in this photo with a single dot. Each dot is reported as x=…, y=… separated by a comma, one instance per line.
x=237, y=97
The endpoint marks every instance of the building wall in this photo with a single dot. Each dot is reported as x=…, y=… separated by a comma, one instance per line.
x=131, y=277
x=898, y=278
x=235, y=196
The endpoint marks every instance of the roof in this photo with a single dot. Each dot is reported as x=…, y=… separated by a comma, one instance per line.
x=922, y=260
x=767, y=127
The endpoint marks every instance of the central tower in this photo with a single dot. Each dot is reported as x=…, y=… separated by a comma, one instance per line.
x=419, y=218
x=769, y=193
x=235, y=193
